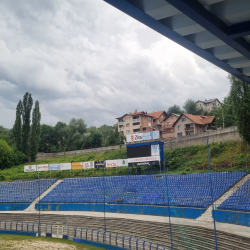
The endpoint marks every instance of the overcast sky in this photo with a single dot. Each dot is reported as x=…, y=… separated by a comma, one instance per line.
x=86, y=59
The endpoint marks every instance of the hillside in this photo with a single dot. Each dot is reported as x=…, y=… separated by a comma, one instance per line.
x=224, y=156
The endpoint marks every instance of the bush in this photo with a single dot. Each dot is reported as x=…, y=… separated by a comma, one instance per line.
x=19, y=158
x=216, y=149
x=6, y=155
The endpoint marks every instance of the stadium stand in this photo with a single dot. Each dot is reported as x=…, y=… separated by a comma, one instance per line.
x=23, y=191
x=239, y=200
x=191, y=190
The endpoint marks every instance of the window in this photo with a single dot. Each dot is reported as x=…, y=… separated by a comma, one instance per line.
x=127, y=124
x=168, y=123
x=149, y=118
x=127, y=131
x=179, y=134
x=172, y=117
x=149, y=124
x=136, y=123
x=144, y=129
x=183, y=119
x=179, y=127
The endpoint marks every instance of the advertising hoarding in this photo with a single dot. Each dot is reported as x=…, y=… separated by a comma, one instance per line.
x=76, y=165
x=153, y=135
x=100, y=164
x=141, y=151
x=30, y=168
x=111, y=163
x=145, y=163
x=122, y=162
x=155, y=150
x=54, y=166
x=144, y=159
x=42, y=167
x=65, y=166
x=89, y=164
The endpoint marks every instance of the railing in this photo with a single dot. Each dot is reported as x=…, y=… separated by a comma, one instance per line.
x=189, y=128
x=120, y=129
x=78, y=234
x=120, y=123
x=136, y=120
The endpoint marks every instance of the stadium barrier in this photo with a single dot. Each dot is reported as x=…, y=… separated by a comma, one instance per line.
x=79, y=235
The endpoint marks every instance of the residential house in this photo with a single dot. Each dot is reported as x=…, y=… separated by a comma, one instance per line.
x=188, y=124
x=136, y=122
x=209, y=105
x=158, y=117
x=167, y=129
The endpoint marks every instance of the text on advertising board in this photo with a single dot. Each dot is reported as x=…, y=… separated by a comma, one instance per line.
x=43, y=167
x=143, y=136
x=77, y=165
x=122, y=162
x=89, y=164
x=111, y=163
x=54, y=166
x=30, y=168
x=145, y=163
x=65, y=166
x=143, y=159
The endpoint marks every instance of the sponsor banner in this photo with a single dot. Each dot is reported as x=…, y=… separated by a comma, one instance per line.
x=111, y=163
x=42, y=167
x=135, y=137
x=143, y=136
x=54, y=166
x=155, y=150
x=122, y=163
x=89, y=164
x=30, y=168
x=144, y=159
x=76, y=165
x=145, y=163
x=100, y=164
x=65, y=166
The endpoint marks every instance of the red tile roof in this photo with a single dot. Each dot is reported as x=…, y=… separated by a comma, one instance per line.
x=156, y=114
x=200, y=119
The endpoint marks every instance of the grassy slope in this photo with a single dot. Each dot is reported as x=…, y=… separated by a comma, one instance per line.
x=224, y=156
x=9, y=242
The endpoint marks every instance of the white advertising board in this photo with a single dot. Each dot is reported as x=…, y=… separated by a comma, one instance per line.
x=122, y=162
x=42, y=167
x=135, y=137
x=111, y=163
x=30, y=168
x=155, y=150
x=54, y=166
x=65, y=166
x=143, y=159
x=89, y=164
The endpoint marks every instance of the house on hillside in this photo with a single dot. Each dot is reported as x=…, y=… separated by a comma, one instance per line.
x=136, y=122
x=188, y=124
x=167, y=129
x=209, y=105
x=158, y=117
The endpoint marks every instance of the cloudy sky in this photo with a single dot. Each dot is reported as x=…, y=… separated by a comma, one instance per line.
x=86, y=59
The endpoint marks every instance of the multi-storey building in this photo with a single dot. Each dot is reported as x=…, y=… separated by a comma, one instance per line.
x=167, y=129
x=135, y=123
x=188, y=124
x=158, y=117
x=209, y=105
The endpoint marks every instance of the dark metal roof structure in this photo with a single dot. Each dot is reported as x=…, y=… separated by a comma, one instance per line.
x=216, y=30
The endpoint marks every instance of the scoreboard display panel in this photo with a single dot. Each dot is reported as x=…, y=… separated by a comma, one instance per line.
x=136, y=152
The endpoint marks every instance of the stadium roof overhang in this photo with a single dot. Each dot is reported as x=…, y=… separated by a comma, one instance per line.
x=216, y=30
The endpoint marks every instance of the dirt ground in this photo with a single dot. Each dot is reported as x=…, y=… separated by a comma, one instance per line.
x=31, y=245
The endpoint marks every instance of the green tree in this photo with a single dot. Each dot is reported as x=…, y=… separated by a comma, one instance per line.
x=175, y=110
x=17, y=129
x=27, y=107
x=190, y=107
x=4, y=134
x=240, y=94
x=35, y=131
x=6, y=155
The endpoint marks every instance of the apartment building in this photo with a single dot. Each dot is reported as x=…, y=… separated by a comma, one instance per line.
x=167, y=129
x=158, y=117
x=209, y=105
x=136, y=122
x=188, y=124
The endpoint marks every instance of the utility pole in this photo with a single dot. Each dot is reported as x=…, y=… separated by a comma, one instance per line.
x=223, y=119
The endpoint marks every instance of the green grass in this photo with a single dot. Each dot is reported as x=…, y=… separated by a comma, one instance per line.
x=224, y=156
x=8, y=241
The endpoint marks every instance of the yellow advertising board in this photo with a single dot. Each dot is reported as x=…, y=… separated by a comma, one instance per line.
x=76, y=165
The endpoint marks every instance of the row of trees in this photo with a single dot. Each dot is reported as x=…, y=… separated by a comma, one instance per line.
x=76, y=136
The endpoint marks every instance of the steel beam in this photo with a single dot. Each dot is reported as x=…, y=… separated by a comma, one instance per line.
x=239, y=30
x=207, y=20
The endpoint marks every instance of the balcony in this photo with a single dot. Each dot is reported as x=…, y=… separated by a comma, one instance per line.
x=136, y=120
x=189, y=128
x=120, y=129
x=120, y=123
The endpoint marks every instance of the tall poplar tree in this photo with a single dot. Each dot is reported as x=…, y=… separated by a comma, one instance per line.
x=17, y=129
x=27, y=106
x=35, y=131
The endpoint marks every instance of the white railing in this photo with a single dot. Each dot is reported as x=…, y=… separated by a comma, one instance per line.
x=136, y=120
x=79, y=234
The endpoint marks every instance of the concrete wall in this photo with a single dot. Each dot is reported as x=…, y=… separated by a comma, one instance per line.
x=181, y=212
x=219, y=135
x=14, y=206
